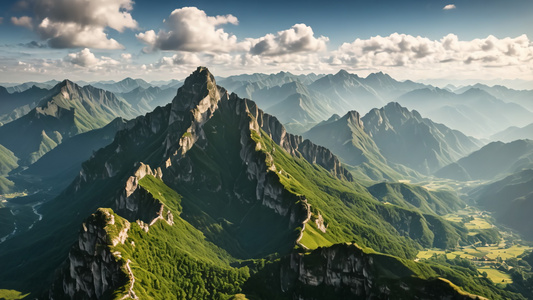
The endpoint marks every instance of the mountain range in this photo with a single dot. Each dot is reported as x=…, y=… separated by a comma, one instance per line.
x=241, y=206
x=143, y=190
x=474, y=111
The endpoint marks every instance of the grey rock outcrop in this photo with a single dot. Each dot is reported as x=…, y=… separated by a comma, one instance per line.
x=91, y=270
x=345, y=271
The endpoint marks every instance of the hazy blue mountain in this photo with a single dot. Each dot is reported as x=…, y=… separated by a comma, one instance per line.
x=510, y=200
x=18, y=88
x=494, y=160
x=123, y=86
x=522, y=97
x=68, y=111
x=514, y=133
x=15, y=105
x=246, y=85
x=404, y=137
x=348, y=91
x=237, y=82
x=389, y=88
x=474, y=111
x=146, y=99
x=352, y=92
x=163, y=84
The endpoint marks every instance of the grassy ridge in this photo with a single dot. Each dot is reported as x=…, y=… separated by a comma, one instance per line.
x=170, y=261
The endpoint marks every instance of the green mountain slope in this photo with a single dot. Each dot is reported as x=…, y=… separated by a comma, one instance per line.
x=412, y=196
x=69, y=111
x=406, y=138
x=347, y=138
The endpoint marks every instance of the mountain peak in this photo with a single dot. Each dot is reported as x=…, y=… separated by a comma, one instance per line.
x=66, y=84
x=342, y=73
x=378, y=75
x=354, y=117
x=197, y=87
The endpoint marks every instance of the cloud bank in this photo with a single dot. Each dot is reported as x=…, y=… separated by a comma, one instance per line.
x=190, y=29
x=299, y=38
x=78, y=23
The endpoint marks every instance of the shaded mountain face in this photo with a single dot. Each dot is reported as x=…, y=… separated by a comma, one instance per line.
x=17, y=104
x=55, y=169
x=494, y=160
x=404, y=137
x=67, y=111
x=511, y=201
x=474, y=111
x=207, y=180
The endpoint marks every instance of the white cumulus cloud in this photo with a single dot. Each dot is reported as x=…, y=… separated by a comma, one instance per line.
x=23, y=21
x=299, y=38
x=449, y=7
x=191, y=29
x=85, y=58
x=449, y=54
x=80, y=23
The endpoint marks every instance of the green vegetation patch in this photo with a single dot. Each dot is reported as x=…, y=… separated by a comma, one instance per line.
x=162, y=192
x=496, y=276
x=313, y=238
x=12, y=295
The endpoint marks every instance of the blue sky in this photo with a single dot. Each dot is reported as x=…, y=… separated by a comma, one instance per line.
x=112, y=39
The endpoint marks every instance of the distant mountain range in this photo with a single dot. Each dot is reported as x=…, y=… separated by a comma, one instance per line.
x=474, y=111
x=493, y=161
x=66, y=111
x=514, y=133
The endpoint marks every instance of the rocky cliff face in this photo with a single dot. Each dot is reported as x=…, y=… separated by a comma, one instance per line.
x=347, y=272
x=136, y=203
x=91, y=270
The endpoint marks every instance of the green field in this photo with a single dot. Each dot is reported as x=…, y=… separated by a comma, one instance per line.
x=496, y=276
x=11, y=295
x=312, y=238
x=478, y=252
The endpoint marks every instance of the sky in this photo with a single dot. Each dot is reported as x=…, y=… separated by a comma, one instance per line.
x=424, y=40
